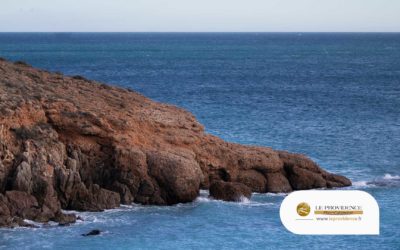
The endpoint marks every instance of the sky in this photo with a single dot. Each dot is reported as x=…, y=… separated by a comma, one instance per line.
x=199, y=15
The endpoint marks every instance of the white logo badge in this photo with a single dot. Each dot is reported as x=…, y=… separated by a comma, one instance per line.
x=330, y=212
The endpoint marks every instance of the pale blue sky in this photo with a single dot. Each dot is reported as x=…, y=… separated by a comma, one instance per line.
x=200, y=15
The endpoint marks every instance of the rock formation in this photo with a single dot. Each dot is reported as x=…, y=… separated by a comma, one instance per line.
x=92, y=233
x=229, y=191
x=72, y=143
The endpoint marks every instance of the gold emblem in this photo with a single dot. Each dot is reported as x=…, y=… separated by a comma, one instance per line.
x=303, y=209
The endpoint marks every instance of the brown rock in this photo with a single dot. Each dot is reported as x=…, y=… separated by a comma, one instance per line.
x=103, y=198
x=229, y=191
x=23, y=178
x=125, y=194
x=253, y=179
x=72, y=143
x=278, y=183
x=5, y=215
x=333, y=180
x=178, y=176
x=303, y=173
x=22, y=205
x=93, y=199
x=65, y=219
x=301, y=178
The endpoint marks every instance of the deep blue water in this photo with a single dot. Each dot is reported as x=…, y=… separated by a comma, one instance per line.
x=334, y=97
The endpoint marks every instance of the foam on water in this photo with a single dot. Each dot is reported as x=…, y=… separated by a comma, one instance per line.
x=361, y=184
x=391, y=177
x=275, y=194
x=385, y=181
x=244, y=201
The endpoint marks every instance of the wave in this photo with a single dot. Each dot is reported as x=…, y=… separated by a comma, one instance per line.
x=244, y=201
x=34, y=223
x=258, y=199
x=391, y=177
x=362, y=184
x=273, y=194
x=387, y=180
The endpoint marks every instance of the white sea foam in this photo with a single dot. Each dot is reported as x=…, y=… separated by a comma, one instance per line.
x=34, y=223
x=391, y=177
x=204, y=192
x=388, y=180
x=203, y=199
x=362, y=184
x=242, y=202
x=275, y=194
x=70, y=211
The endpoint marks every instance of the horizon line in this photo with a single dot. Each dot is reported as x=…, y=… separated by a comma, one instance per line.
x=199, y=31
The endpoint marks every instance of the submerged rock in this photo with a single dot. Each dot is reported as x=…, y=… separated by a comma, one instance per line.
x=72, y=143
x=92, y=233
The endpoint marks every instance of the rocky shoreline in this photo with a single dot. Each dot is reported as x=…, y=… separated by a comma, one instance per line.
x=76, y=144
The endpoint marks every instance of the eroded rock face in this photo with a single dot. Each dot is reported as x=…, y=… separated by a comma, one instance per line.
x=177, y=176
x=72, y=143
x=229, y=191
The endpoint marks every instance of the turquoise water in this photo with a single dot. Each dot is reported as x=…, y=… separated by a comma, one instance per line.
x=334, y=97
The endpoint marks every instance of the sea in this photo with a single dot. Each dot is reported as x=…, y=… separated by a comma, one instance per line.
x=332, y=96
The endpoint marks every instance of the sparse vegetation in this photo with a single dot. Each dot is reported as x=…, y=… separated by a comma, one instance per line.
x=22, y=63
x=78, y=77
x=36, y=132
x=25, y=133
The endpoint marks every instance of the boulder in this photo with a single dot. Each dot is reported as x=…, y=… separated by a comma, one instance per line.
x=65, y=219
x=253, y=179
x=229, y=191
x=178, y=176
x=5, y=215
x=23, y=178
x=278, y=183
x=22, y=204
x=301, y=178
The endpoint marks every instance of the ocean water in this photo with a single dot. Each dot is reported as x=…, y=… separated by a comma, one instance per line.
x=332, y=96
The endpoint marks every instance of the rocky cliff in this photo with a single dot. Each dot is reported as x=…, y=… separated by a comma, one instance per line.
x=73, y=143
